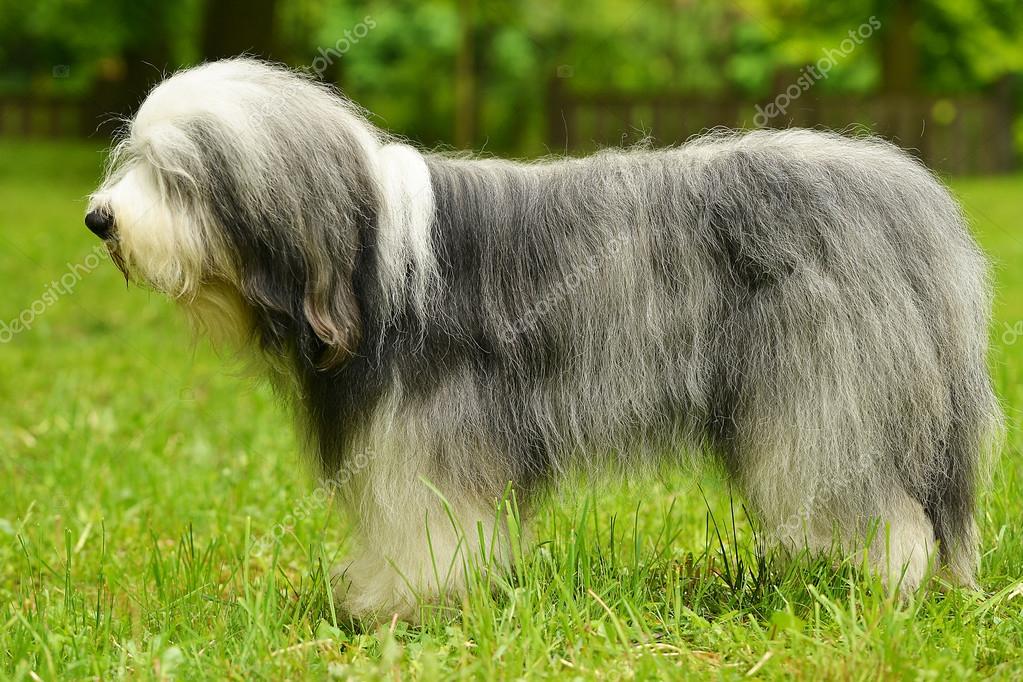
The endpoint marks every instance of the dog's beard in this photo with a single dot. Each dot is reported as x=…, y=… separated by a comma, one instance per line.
x=117, y=258
x=131, y=275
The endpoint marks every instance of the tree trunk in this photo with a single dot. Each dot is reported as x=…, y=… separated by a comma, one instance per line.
x=233, y=27
x=900, y=58
x=465, y=78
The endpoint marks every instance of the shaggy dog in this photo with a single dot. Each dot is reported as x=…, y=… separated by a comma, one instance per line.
x=807, y=309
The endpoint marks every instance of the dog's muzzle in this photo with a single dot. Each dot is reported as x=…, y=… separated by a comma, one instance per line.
x=100, y=222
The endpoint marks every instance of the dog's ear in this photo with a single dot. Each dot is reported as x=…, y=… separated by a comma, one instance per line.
x=333, y=230
x=297, y=277
x=333, y=313
x=298, y=271
x=292, y=212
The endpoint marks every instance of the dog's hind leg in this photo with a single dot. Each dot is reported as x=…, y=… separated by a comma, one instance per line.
x=900, y=546
x=829, y=419
x=859, y=512
x=887, y=530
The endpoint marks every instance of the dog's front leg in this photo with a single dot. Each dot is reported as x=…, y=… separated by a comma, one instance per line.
x=417, y=545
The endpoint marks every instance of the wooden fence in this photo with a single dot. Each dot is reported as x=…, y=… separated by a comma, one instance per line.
x=956, y=135
x=35, y=116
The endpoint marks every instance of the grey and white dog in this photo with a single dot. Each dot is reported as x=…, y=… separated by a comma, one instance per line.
x=807, y=309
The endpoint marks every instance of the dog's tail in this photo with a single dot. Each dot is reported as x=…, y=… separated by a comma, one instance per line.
x=971, y=428
x=974, y=434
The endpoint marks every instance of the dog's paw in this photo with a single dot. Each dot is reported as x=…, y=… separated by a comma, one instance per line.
x=369, y=593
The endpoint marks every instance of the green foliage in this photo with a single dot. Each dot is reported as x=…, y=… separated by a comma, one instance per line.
x=90, y=38
x=971, y=42
x=964, y=44
x=404, y=67
x=138, y=473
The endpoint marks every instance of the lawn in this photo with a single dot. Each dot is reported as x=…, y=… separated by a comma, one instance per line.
x=139, y=469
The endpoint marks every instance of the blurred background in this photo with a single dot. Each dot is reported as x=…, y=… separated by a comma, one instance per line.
x=531, y=77
x=136, y=466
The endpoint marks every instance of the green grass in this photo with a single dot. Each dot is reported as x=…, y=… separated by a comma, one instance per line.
x=137, y=469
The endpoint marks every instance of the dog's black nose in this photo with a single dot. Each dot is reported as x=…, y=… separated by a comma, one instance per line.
x=100, y=222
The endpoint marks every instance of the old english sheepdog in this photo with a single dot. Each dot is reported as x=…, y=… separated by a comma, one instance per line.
x=806, y=309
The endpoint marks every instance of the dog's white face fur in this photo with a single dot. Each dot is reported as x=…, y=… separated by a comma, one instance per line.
x=168, y=248
x=778, y=300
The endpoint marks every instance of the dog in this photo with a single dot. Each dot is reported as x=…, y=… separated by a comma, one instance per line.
x=807, y=309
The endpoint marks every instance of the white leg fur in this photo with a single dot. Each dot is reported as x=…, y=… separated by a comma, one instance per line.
x=418, y=538
x=902, y=550
x=417, y=551
x=416, y=556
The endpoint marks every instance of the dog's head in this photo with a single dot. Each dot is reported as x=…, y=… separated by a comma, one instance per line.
x=241, y=190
